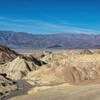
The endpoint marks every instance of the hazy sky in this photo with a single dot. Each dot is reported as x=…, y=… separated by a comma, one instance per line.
x=50, y=16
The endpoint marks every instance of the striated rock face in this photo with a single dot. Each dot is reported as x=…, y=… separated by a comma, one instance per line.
x=6, y=54
x=75, y=74
x=73, y=68
x=6, y=86
x=17, y=66
x=20, y=66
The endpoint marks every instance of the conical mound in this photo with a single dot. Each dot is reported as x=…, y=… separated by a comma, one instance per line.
x=20, y=66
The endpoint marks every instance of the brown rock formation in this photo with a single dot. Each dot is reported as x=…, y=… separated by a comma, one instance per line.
x=6, y=54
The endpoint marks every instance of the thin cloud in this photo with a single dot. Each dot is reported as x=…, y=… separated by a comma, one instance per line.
x=45, y=27
x=2, y=18
x=70, y=24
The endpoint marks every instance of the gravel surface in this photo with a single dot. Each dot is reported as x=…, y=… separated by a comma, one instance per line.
x=91, y=92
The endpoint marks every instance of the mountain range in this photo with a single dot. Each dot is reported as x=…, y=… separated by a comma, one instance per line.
x=22, y=40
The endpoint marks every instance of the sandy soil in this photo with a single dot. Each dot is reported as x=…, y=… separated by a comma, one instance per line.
x=87, y=92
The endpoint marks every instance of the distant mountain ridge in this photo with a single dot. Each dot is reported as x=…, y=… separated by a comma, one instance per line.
x=22, y=40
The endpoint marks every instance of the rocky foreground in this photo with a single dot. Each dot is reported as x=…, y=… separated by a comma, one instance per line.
x=6, y=85
x=51, y=72
x=13, y=67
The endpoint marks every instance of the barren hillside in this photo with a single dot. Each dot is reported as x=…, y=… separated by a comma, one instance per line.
x=22, y=40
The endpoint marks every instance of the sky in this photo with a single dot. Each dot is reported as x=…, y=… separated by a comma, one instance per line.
x=50, y=16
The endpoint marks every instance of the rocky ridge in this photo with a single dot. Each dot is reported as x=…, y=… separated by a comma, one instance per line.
x=13, y=68
x=49, y=68
x=7, y=54
x=20, y=66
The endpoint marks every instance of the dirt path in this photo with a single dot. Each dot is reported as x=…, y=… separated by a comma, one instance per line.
x=91, y=92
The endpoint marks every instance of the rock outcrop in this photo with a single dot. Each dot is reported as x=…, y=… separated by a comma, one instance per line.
x=20, y=66
x=6, y=86
x=68, y=68
x=6, y=54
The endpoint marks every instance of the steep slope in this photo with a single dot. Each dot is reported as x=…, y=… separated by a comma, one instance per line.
x=20, y=66
x=6, y=54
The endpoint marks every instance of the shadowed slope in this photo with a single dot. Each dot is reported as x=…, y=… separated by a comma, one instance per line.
x=6, y=54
